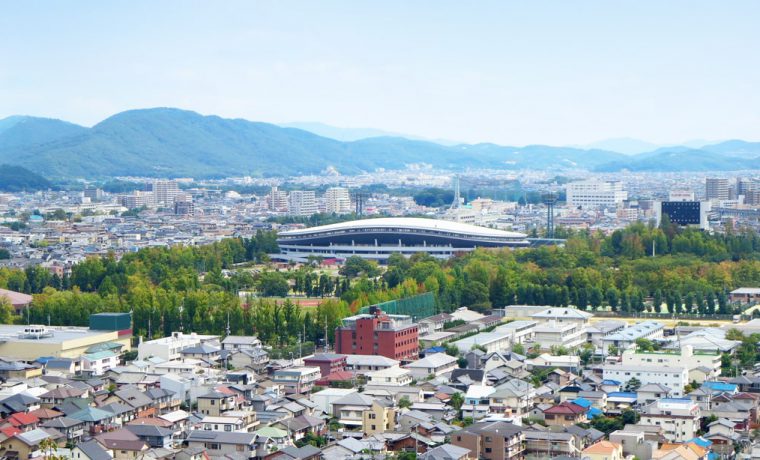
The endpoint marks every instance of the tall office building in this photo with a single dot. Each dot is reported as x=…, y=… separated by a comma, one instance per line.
x=278, y=200
x=164, y=192
x=94, y=194
x=337, y=200
x=302, y=203
x=183, y=204
x=716, y=189
x=595, y=194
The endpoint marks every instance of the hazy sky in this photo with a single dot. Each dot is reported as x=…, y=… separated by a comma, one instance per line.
x=564, y=72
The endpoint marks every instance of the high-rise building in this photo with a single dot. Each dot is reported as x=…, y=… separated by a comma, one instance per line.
x=183, y=205
x=164, y=192
x=595, y=194
x=337, y=200
x=716, y=188
x=136, y=199
x=302, y=203
x=278, y=200
x=94, y=194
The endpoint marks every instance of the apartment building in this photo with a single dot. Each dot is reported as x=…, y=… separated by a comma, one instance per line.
x=297, y=380
x=491, y=441
x=378, y=333
x=595, y=194
x=170, y=348
x=678, y=417
x=684, y=356
x=302, y=203
x=675, y=377
x=337, y=200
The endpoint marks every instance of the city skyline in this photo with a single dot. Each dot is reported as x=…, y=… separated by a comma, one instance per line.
x=549, y=73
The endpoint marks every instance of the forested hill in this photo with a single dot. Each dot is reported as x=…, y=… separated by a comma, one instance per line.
x=18, y=179
x=171, y=142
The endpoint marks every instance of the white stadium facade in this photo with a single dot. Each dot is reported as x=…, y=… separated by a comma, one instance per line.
x=377, y=239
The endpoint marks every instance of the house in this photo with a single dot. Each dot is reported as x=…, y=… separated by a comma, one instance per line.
x=349, y=409
x=71, y=428
x=361, y=364
x=202, y=351
x=393, y=376
x=323, y=400
x=256, y=358
x=90, y=450
x=651, y=392
x=215, y=403
x=512, y=399
x=745, y=295
x=565, y=414
x=559, y=444
x=234, y=343
x=27, y=444
x=476, y=401
x=491, y=440
x=604, y=450
x=446, y=452
x=567, y=363
x=432, y=365
x=153, y=435
x=380, y=417
x=300, y=426
x=634, y=443
x=723, y=435
x=18, y=300
x=219, y=443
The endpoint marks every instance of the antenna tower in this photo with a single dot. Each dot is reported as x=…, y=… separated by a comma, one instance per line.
x=549, y=199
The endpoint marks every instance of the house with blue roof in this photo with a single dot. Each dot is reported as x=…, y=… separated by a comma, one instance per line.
x=721, y=387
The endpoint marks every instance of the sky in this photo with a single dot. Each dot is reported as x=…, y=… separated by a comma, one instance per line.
x=514, y=73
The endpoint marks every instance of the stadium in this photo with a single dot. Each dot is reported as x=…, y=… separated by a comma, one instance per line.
x=377, y=239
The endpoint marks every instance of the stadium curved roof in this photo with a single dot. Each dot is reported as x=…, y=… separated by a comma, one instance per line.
x=412, y=223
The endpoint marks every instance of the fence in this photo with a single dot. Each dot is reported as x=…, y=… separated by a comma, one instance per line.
x=418, y=307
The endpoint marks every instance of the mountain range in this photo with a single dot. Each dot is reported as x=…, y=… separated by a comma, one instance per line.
x=166, y=142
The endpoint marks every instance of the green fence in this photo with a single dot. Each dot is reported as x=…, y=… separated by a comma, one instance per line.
x=418, y=307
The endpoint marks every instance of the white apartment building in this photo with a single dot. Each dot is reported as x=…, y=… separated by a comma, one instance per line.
x=393, y=376
x=302, y=203
x=563, y=315
x=169, y=348
x=491, y=341
x=361, y=364
x=277, y=200
x=595, y=194
x=337, y=200
x=678, y=417
x=164, y=192
x=521, y=330
x=674, y=377
x=568, y=335
x=625, y=338
x=684, y=356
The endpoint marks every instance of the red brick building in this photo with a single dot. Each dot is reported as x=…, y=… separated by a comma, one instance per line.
x=328, y=363
x=377, y=333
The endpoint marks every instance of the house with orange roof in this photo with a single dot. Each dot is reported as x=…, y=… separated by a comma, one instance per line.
x=674, y=451
x=604, y=450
